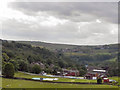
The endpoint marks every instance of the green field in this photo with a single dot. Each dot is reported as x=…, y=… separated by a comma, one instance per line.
x=116, y=78
x=10, y=83
x=22, y=75
x=13, y=83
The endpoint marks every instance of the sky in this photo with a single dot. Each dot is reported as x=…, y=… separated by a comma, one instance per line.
x=78, y=23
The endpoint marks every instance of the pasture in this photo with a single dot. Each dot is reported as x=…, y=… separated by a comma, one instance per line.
x=14, y=83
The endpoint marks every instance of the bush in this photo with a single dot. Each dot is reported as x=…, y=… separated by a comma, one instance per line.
x=23, y=65
x=5, y=57
x=8, y=70
x=99, y=81
x=15, y=64
x=36, y=69
x=48, y=70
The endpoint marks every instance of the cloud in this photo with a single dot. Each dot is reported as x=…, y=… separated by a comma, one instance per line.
x=89, y=33
x=71, y=23
x=72, y=10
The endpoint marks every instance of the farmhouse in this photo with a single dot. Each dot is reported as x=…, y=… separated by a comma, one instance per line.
x=67, y=72
x=94, y=72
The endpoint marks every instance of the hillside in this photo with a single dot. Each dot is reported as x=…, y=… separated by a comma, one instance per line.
x=67, y=47
x=81, y=52
x=50, y=46
x=105, y=56
x=24, y=57
x=54, y=57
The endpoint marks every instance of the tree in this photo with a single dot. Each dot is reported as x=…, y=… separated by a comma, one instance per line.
x=48, y=70
x=61, y=64
x=30, y=59
x=10, y=54
x=5, y=57
x=15, y=64
x=82, y=72
x=23, y=66
x=99, y=80
x=54, y=72
x=8, y=70
x=49, y=61
x=55, y=69
x=36, y=69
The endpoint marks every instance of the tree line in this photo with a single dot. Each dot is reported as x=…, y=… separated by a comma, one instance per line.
x=27, y=58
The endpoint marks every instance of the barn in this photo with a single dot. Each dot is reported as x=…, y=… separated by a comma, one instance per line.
x=67, y=72
x=95, y=73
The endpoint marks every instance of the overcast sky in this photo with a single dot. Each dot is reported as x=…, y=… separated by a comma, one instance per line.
x=69, y=23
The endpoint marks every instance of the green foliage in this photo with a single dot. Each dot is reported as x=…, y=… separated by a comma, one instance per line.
x=5, y=57
x=23, y=65
x=112, y=67
x=48, y=70
x=25, y=55
x=36, y=69
x=102, y=57
x=99, y=80
x=15, y=64
x=49, y=61
x=82, y=72
x=29, y=53
x=10, y=54
x=61, y=64
x=8, y=70
x=30, y=59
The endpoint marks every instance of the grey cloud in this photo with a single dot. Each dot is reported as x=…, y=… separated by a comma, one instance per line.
x=105, y=10
x=67, y=33
x=75, y=13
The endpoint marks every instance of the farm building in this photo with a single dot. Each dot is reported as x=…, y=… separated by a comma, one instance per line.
x=94, y=72
x=70, y=72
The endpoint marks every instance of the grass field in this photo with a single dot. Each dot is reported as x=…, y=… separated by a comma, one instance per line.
x=12, y=83
x=23, y=75
x=116, y=78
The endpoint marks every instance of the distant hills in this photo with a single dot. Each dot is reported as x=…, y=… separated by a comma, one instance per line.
x=50, y=46
x=80, y=52
x=67, y=47
x=59, y=56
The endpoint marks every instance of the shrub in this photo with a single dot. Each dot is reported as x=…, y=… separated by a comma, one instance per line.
x=36, y=69
x=8, y=70
x=23, y=65
x=15, y=64
x=99, y=81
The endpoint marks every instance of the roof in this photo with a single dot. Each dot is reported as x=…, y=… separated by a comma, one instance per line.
x=105, y=78
x=70, y=70
x=91, y=68
x=95, y=70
